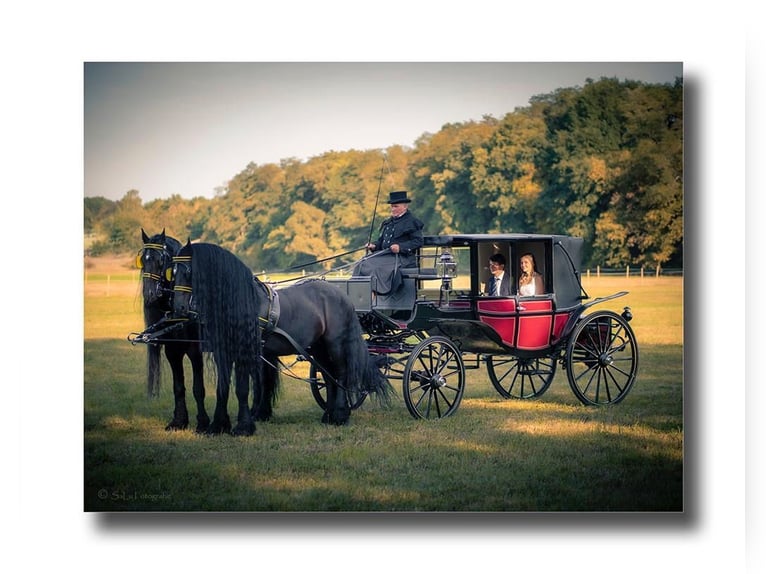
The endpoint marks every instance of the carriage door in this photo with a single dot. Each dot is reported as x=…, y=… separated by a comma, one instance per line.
x=500, y=313
x=535, y=312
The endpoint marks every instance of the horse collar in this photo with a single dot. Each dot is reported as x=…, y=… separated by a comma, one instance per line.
x=269, y=322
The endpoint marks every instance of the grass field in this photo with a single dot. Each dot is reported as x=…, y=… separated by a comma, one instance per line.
x=550, y=454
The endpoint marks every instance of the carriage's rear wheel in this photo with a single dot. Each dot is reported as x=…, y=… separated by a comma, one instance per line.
x=319, y=391
x=602, y=359
x=517, y=378
x=434, y=379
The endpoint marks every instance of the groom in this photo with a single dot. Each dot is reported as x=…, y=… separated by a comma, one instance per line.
x=499, y=285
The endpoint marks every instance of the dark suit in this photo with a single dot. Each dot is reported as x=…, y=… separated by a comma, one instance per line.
x=405, y=231
x=505, y=285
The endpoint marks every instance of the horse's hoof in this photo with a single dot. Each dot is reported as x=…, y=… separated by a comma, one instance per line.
x=175, y=425
x=244, y=430
x=328, y=419
x=203, y=424
x=217, y=428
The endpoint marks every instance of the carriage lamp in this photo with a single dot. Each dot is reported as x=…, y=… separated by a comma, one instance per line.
x=447, y=263
x=626, y=314
x=447, y=268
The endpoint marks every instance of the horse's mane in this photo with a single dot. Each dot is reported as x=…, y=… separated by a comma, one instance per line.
x=173, y=245
x=229, y=304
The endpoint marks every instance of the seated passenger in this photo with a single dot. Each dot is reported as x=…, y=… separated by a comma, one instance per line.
x=530, y=281
x=401, y=235
x=499, y=284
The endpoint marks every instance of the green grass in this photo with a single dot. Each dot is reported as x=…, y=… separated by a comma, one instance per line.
x=550, y=454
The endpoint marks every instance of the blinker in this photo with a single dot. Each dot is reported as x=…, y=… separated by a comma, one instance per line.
x=139, y=260
x=169, y=274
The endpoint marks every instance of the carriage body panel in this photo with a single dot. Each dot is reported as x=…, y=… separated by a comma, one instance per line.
x=517, y=323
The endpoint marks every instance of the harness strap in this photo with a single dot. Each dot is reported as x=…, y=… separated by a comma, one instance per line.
x=151, y=276
x=303, y=352
x=269, y=326
x=269, y=322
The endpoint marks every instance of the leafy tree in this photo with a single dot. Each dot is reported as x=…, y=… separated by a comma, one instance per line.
x=97, y=210
x=603, y=162
x=441, y=175
x=504, y=173
x=122, y=228
x=303, y=236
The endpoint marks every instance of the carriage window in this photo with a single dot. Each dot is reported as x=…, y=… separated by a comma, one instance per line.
x=491, y=255
x=432, y=260
x=531, y=268
x=462, y=280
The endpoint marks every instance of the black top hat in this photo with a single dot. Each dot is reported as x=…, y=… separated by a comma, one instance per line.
x=398, y=197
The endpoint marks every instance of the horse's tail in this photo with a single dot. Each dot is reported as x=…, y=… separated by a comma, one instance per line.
x=363, y=373
x=377, y=383
x=153, y=371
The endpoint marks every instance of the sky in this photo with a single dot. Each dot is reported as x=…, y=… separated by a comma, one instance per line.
x=187, y=128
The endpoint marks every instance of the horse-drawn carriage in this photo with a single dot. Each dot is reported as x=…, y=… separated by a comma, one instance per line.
x=440, y=323
x=424, y=336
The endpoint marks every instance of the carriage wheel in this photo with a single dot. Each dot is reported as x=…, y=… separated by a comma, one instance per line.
x=319, y=391
x=434, y=379
x=392, y=366
x=517, y=378
x=602, y=359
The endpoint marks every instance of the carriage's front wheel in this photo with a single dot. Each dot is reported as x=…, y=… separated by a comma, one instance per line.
x=434, y=379
x=517, y=378
x=602, y=359
x=319, y=391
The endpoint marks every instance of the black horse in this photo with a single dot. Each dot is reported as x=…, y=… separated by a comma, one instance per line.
x=179, y=339
x=247, y=326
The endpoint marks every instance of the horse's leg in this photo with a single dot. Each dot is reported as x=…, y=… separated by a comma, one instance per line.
x=245, y=424
x=153, y=356
x=340, y=411
x=175, y=355
x=265, y=391
x=319, y=354
x=198, y=386
x=337, y=403
x=221, y=421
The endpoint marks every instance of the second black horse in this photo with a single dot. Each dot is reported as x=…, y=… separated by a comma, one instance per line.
x=247, y=325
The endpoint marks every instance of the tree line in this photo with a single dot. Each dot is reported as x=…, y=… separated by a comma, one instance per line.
x=603, y=162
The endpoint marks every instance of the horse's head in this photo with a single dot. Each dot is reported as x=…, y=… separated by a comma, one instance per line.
x=155, y=260
x=183, y=301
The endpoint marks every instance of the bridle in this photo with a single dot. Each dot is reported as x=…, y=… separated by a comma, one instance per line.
x=184, y=260
x=165, y=259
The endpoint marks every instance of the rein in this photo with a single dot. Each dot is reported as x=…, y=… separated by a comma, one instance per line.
x=316, y=273
x=333, y=270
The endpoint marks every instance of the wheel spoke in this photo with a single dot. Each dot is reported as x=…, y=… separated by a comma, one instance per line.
x=521, y=378
x=595, y=374
x=434, y=379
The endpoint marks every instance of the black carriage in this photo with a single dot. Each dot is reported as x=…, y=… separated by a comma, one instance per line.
x=440, y=323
